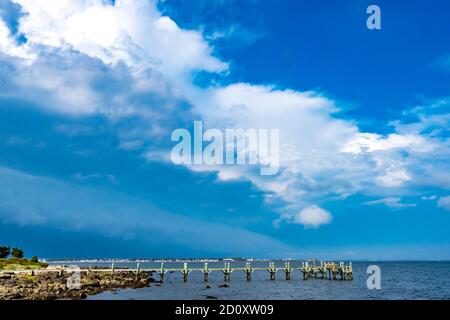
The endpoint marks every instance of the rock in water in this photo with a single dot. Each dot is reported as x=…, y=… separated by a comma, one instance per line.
x=91, y=283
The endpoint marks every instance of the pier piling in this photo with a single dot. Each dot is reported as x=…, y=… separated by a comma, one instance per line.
x=287, y=270
x=206, y=272
x=248, y=270
x=272, y=270
x=161, y=273
x=227, y=272
x=137, y=269
x=185, y=271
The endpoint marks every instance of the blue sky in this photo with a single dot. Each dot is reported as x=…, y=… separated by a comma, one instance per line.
x=91, y=90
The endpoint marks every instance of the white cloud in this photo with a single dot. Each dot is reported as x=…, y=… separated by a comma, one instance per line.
x=130, y=145
x=394, y=178
x=305, y=152
x=131, y=31
x=427, y=198
x=444, y=203
x=391, y=202
x=74, y=48
x=313, y=217
x=322, y=156
x=371, y=142
x=99, y=177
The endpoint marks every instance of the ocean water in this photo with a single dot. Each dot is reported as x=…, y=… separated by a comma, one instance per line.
x=399, y=280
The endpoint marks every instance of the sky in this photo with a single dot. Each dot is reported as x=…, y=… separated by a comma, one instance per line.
x=91, y=91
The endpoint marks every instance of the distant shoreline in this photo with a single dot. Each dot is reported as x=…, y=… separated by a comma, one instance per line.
x=119, y=260
x=212, y=260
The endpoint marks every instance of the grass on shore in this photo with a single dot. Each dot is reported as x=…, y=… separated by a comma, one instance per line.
x=20, y=264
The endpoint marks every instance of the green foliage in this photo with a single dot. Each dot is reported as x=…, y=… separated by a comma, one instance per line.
x=17, y=253
x=17, y=261
x=4, y=251
x=20, y=264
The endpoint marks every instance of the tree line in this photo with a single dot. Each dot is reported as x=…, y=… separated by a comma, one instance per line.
x=5, y=251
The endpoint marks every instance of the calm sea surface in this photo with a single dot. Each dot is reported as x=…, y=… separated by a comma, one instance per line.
x=399, y=280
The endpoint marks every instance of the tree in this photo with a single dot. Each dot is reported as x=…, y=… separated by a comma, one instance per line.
x=4, y=251
x=34, y=259
x=17, y=253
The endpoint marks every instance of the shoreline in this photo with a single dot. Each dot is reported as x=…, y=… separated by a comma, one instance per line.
x=45, y=285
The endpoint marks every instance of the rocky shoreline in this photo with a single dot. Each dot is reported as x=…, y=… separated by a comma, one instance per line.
x=53, y=285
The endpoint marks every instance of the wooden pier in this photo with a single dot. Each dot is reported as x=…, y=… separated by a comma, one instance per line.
x=321, y=270
x=344, y=272
x=325, y=270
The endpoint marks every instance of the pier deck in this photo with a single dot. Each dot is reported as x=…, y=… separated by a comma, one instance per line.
x=323, y=270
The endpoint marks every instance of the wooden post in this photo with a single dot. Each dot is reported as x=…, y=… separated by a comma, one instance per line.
x=112, y=268
x=272, y=270
x=161, y=273
x=287, y=270
x=206, y=272
x=351, y=271
x=137, y=269
x=307, y=270
x=329, y=273
x=303, y=270
x=226, y=272
x=185, y=272
x=248, y=271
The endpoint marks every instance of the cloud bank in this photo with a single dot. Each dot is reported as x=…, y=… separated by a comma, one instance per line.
x=112, y=214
